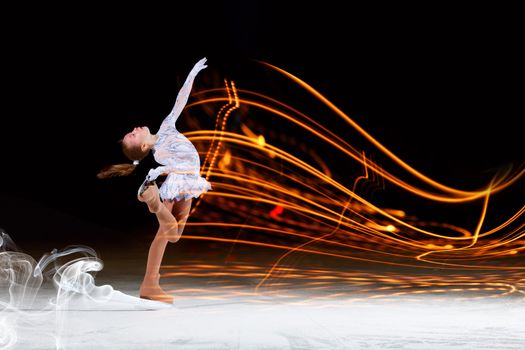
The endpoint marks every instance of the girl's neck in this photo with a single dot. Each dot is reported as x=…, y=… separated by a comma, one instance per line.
x=151, y=140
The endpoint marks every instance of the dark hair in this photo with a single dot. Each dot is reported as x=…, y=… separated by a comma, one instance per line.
x=116, y=170
x=133, y=153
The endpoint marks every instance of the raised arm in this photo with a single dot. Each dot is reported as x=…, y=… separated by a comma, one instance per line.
x=182, y=97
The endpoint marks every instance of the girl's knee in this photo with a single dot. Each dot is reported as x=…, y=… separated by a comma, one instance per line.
x=173, y=239
x=171, y=232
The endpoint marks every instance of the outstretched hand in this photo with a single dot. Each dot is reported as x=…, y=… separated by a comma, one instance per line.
x=199, y=66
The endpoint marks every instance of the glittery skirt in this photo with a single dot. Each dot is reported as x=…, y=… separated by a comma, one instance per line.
x=183, y=186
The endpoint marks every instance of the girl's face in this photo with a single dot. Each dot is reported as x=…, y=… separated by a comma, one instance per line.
x=137, y=137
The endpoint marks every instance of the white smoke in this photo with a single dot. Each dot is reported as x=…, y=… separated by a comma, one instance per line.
x=21, y=279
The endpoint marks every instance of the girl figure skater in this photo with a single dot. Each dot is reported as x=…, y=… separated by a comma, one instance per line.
x=180, y=162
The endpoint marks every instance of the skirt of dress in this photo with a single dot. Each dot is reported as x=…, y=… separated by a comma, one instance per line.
x=183, y=186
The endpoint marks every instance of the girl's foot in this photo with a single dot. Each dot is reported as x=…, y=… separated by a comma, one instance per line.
x=155, y=293
x=152, y=198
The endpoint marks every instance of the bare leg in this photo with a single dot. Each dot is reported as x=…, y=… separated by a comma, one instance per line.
x=150, y=287
x=172, y=217
x=181, y=211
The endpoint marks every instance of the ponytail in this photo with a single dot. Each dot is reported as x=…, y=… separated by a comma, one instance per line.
x=135, y=153
x=117, y=170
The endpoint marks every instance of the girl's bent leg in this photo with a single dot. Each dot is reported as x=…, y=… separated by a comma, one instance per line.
x=150, y=287
x=163, y=210
x=181, y=211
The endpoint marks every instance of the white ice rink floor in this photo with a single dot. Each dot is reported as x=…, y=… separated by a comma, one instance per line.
x=216, y=307
x=126, y=322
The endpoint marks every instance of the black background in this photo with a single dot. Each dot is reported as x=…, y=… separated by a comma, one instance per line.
x=441, y=86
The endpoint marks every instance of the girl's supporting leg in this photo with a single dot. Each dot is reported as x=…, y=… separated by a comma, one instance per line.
x=150, y=287
x=181, y=210
x=172, y=217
